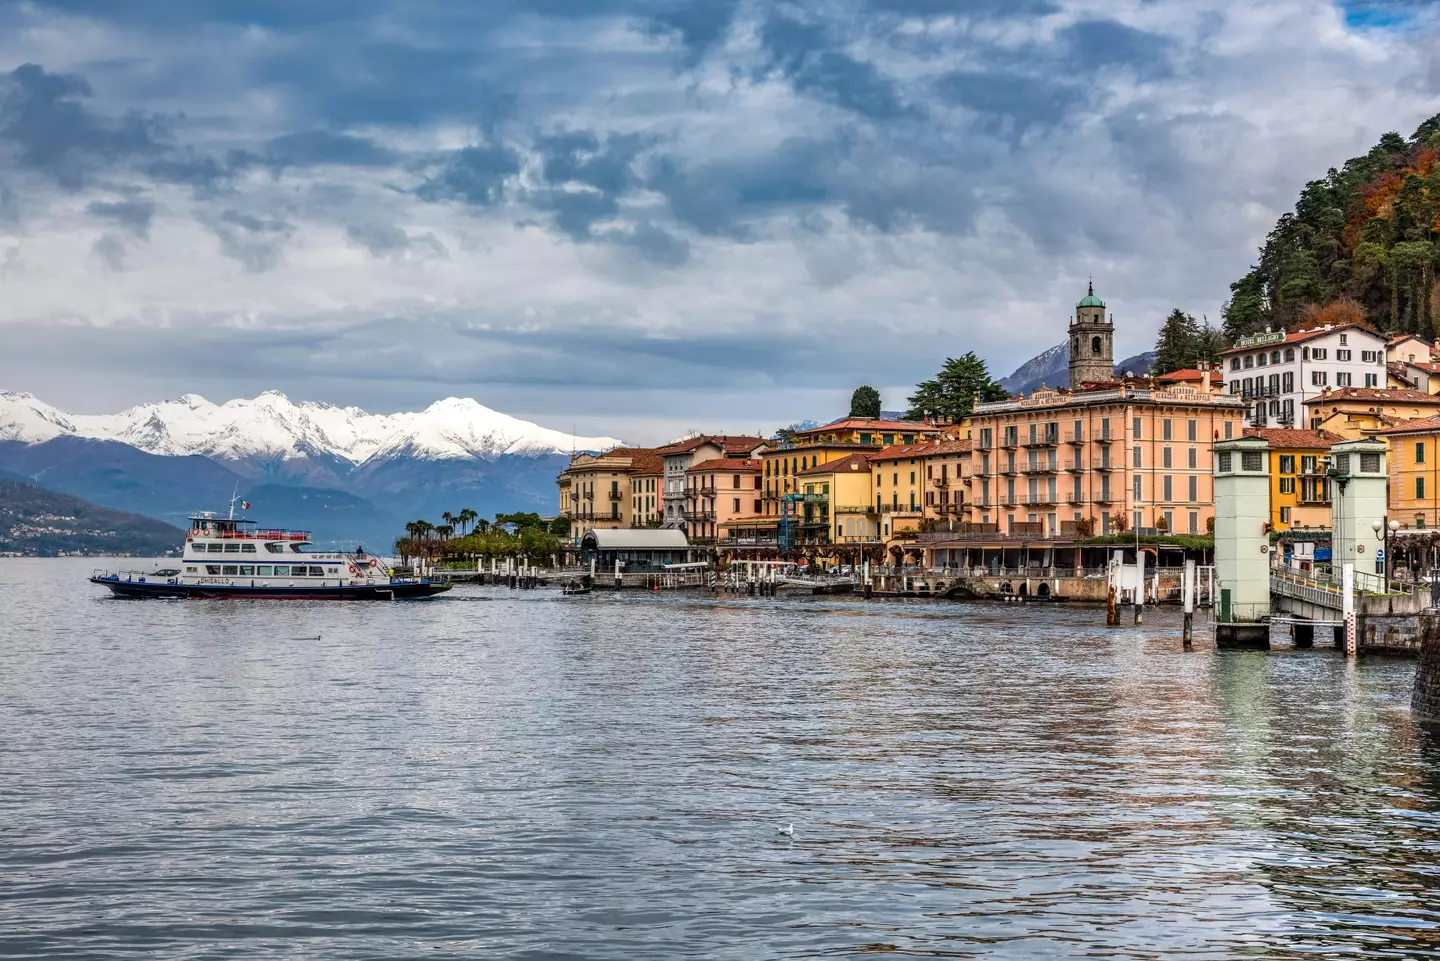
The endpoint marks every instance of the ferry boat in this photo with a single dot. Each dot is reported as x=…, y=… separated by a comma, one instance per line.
x=233, y=557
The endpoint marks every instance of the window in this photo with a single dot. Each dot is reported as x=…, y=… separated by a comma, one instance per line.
x=1419, y=452
x=1370, y=463
x=1369, y=356
x=1420, y=488
x=1319, y=378
x=1287, y=485
x=1234, y=363
x=1319, y=353
x=1194, y=488
x=1274, y=384
x=216, y=548
x=1252, y=460
x=1095, y=345
x=232, y=548
x=1249, y=361
x=1247, y=386
x=1342, y=355
x=212, y=569
x=1229, y=428
x=1135, y=455
x=247, y=570
x=1289, y=354
x=1191, y=458
x=1169, y=493
x=247, y=548
x=1235, y=387
x=1194, y=522
x=1287, y=382
x=912, y=477
x=1137, y=486
x=1262, y=359
x=1274, y=356
x=1165, y=429
x=1165, y=457
x=757, y=507
x=1344, y=339
x=264, y=570
x=190, y=570
x=1342, y=378
x=1372, y=380
x=1287, y=463
x=1284, y=515
x=317, y=572
x=1190, y=430
x=1137, y=428
x=229, y=570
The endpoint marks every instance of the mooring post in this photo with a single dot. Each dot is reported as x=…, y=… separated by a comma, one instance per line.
x=1187, y=590
x=1112, y=609
x=1139, y=587
x=1347, y=602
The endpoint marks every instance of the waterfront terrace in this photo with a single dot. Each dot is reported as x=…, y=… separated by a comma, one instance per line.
x=1120, y=455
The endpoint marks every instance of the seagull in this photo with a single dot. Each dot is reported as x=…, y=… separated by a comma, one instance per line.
x=787, y=830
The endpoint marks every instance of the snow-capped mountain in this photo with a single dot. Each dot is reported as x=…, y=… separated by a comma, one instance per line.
x=273, y=429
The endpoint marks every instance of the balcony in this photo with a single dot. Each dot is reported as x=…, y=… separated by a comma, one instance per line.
x=1042, y=469
x=1105, y=438
x=1010, y=443
x=1104, y=467
x=899, y=509
x=855, y=509
x=1039, y=500
x=616, y=496
x=1074, y=466
x=698, y=516
x=942, y=482
x=1075, y=437
x=1044, y=439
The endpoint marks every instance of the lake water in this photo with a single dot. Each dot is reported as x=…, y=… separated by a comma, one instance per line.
x=509, y=774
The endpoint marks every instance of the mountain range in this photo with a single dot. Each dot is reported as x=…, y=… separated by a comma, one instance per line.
x=1052, y=369
x=345, y=473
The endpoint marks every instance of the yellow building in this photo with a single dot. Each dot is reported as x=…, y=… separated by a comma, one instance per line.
x=1414, y=472
x=897, y=485
x=617, y=489
x=947, y=480
x=835, y=510
x=1299, y=489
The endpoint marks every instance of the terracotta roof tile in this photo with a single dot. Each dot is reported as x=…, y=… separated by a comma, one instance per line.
x=1427, y=424
x=1395, y=395
x=726, y=463
x=855, y=462
x=1294, y=438
x=866, y=423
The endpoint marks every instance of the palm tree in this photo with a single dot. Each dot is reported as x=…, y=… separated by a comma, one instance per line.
x=467, y=517
x=448, y=518
x=444, y=531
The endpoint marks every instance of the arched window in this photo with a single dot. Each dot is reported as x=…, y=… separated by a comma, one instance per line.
x=1095, y=344
x=1077, y=345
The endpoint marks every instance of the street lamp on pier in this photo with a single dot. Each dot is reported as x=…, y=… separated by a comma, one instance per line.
x=1382, y=533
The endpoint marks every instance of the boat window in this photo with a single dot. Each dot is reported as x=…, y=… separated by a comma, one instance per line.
x=317, y=572
x=212, y=569
x=275, y=548
x=247, y=548
x=247, y=571
x=264, y=570
x=296, y=548
x=189, y=570
x=232, y=548
x=216, y=548
x=229, y=570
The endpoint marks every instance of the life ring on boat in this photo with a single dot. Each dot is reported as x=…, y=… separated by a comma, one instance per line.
x=354, y=570
x=374, y=562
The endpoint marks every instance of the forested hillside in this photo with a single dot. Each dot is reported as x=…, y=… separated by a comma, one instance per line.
x=35, y=521
x=1364, y=240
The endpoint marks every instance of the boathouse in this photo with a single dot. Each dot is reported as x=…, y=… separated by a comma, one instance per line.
x=637, y=551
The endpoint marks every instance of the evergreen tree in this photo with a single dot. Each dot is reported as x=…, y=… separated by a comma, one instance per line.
x=865, y=402
x=1176, y=347
x=953, y=392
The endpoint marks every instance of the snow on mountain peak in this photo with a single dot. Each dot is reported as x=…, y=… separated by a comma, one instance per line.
x=271, y=427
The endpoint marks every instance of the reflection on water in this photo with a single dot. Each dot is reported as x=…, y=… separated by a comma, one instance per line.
x=520, y=775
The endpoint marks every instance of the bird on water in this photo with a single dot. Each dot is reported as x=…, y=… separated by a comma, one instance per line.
x=787, y=830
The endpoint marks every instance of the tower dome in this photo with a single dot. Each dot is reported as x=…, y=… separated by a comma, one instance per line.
x=1090, y=300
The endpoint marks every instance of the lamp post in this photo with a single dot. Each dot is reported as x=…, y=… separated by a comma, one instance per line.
x=1383, y=531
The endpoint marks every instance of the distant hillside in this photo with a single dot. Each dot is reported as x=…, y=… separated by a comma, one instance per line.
x=1365, y=233
x=1052, y=369
x=39, y=522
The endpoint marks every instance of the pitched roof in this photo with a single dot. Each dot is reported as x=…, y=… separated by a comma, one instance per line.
x=1189, y=374
x=726, y=442
x=1418, y=425
x=1401, y=338
x=924, y=449
x=726, y=463
x=1382, y=394
x=1299, y=336
x=1293, y=438
x=850, y=462
x=868, y=423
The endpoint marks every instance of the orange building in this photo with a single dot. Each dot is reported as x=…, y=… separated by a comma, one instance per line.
x=717, y=492
x=616, y=489
x=1414, y=493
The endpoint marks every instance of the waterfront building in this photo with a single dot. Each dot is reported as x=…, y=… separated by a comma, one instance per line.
x=1299, y=487
x=1359, y=412
x=1210, y=381
x=1119, y=455
x=685, y=454
x=947, y=480
x=615, y=489
x=834, y=508
x=633, y=551
x=719, y=490
x=1092, y=343
x=1414, y=494
x=1275, y=373
x=897, y=486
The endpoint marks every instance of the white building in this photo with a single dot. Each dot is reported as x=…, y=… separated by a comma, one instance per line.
x=1276, y=372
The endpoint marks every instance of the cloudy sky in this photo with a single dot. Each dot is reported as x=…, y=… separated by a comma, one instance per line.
x=643, y=216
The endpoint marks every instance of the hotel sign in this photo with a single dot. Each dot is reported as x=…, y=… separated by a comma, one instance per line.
x=1265, y=337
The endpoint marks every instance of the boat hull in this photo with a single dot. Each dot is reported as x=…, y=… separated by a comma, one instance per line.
x=362, y=592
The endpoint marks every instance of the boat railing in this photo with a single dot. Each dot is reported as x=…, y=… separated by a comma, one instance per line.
x=132, y=577
x=253, y=535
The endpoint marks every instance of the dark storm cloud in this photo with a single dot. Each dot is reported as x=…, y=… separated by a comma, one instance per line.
x=1009, y=104
x=256, y=242
x=316, y=147
x=1105, y=43
x=805, y=55
x=44, y=117
x=699, y=24
x=472, y=175
x=133, y=215
x=968, y=9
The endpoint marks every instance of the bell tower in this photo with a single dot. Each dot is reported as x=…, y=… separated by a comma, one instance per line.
x=1092, y=351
